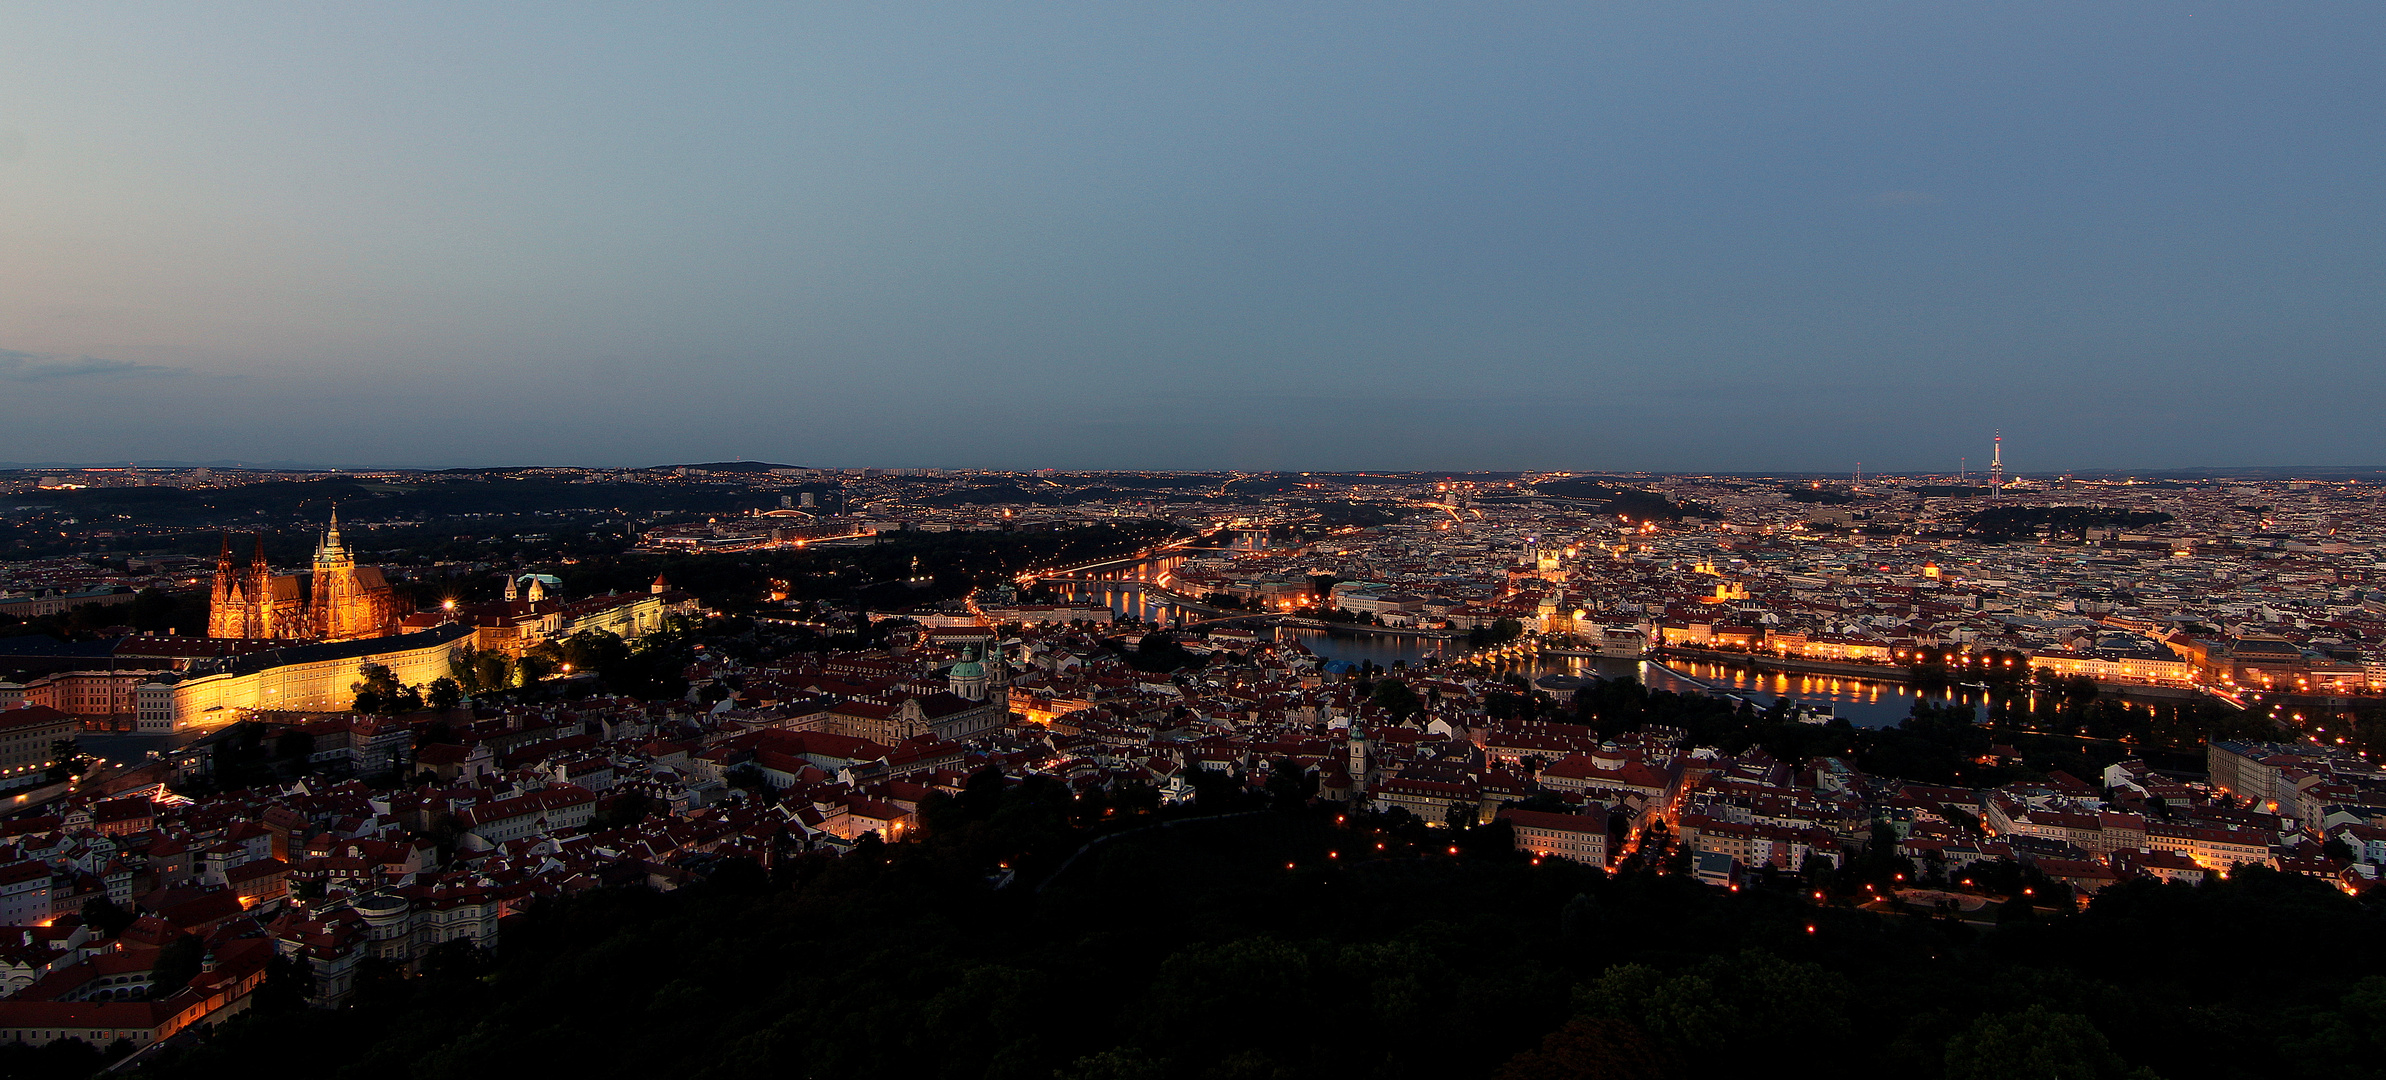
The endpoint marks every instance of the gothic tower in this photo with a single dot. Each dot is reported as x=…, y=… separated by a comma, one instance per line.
x=226, y=614
x=349, y=601
x=258, y=621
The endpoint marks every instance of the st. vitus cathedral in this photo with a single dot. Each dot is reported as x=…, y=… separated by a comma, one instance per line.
x=343, y=600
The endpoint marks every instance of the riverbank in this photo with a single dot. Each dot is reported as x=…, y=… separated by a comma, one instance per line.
x=1367, y=628
x=1881, y=673
x=1594, y=654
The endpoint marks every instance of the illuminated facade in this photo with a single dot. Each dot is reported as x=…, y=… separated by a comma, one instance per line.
x=302, y=677
x=345, y=601
x=254, y=602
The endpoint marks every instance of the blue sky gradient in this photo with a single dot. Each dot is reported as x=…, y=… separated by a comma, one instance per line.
x=1614, y=236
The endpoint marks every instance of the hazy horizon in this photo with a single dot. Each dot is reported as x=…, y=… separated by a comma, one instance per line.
x=1676, y=238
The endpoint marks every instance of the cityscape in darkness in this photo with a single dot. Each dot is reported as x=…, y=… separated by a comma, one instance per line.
x=1179, y=542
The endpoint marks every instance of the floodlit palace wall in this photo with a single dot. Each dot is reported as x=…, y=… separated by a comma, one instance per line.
x=313, y=677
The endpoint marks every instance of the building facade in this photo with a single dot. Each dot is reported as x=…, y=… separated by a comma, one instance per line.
x=341, y=601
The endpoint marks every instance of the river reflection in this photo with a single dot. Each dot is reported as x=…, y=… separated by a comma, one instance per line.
x=1862, y=702
x=1348, y=648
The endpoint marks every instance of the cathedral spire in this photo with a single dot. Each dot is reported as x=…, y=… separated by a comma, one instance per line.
x=330, y=544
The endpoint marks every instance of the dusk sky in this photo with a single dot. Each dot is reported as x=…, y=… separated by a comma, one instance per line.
x=1432, y=236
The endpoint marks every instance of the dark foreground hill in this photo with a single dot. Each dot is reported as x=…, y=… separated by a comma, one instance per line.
x=1286, y=944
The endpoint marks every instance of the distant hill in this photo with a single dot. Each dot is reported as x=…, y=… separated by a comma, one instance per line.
x=732, y=466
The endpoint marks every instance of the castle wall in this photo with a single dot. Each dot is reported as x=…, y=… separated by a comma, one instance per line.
x=210, y=701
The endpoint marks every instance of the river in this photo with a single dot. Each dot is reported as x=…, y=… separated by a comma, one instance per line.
x=1863, y=702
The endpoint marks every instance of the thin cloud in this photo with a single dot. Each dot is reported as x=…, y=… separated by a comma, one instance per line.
x=38, y=367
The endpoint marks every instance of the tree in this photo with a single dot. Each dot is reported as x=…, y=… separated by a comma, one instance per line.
x=377, y=692
x=446, y=693
x=626, y=809
x=1285, y=789
x=1727, y=1006
x=536, y=665
x=1590, y=1048
x=1395, y=697
x=981, y=794
x=2032, y=1043
x=1579, y=922
x=491, y=671
x=67, y=760
x=102, y=914
x=177, y=964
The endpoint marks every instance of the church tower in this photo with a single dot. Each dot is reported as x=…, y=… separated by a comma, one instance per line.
x=258, y=608
x=1361, y=763
x=349, y=601
x=226, y=614
x=333, y=567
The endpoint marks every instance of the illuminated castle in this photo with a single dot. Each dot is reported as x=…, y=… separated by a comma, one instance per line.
x=343, y=601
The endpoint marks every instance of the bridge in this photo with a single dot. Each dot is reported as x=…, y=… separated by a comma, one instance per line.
x=1156, y=551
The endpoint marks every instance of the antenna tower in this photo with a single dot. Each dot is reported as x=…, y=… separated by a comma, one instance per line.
x=1996, y=468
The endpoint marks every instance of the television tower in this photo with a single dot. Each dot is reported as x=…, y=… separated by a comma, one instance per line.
x=1996, y=468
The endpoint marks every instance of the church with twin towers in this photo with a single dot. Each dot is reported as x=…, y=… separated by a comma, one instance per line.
x=340, y=601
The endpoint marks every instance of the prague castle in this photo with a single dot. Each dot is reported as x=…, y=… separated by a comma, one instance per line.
x=344, y=601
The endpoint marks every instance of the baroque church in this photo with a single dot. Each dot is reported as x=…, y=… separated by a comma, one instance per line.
x=342, y=601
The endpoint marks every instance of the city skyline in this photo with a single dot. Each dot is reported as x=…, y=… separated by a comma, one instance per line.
x=1192, y=541
x=1383, y=237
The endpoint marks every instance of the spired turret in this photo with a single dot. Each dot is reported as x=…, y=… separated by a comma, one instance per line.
x=348, y=601
x=226, y=616
x=328, y=548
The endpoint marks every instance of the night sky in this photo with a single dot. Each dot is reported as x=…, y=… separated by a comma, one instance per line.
x=1431, y=236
